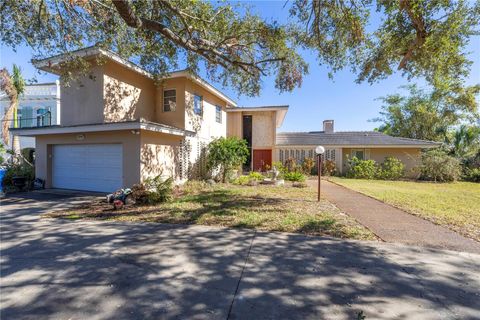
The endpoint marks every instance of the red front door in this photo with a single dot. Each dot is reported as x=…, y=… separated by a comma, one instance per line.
x=261, y=159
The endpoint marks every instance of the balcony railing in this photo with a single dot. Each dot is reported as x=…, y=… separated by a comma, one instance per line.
x=43, y=120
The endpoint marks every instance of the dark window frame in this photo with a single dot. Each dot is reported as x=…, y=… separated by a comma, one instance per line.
x=167, y=103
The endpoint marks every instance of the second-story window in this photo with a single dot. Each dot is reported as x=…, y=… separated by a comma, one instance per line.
x=169, y=100
x=218, y=114
x=198, y=105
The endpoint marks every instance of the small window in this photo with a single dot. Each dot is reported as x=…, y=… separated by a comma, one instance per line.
x=169, y=100
x=197, y=105
x=218, y=114
x=359, y=154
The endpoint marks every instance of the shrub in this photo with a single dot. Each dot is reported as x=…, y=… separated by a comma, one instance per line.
x=227, y=154
x=295, y=176
x=291, y=165
x=280, y=167
x=307, y=165
x=159, y=190
x=361, y=169
x=242, y=180
x=472, y=175
x=18, y=168
x=329, y=168
x=437, y=165
x=391, y=169
x=257, y=176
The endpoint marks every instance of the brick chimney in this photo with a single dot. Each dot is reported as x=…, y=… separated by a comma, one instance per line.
x=328, y=126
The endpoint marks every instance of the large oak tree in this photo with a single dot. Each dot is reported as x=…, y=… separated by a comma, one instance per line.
x=420, y=38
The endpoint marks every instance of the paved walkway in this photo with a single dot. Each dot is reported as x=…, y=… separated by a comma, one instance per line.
x=392, y=224
x=57, y=269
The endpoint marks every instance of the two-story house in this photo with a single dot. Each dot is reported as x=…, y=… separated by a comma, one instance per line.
x=119, y=126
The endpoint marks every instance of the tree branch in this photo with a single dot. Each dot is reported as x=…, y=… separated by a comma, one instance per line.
x=205, y=48
x=420, y=29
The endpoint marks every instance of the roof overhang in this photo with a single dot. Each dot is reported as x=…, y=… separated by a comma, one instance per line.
x=102, y=127
x=280, y=110
x=52, y=64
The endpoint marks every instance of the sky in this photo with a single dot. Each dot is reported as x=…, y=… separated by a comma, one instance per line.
x=351, y=105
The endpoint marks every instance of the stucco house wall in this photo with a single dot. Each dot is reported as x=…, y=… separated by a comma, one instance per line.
x=159, y=155
x=127, y=95
x=82, y=100
x=175, y=118
x=409, y=156
x=108, y=93
x=263, y=127
x=130, y=143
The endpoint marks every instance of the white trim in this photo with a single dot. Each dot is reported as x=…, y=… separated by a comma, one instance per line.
x=115, y=126
x=258, y=109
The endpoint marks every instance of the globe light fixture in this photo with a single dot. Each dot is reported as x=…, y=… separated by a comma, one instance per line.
x=319, y=150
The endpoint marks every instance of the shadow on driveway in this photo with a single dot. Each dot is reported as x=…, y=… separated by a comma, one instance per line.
x=102, y=270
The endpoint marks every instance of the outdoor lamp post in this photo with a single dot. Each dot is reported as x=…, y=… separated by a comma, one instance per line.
x=319, y=150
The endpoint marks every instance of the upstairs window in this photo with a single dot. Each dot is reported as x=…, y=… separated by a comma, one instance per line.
x=218, y=114
x=198, y=105
x=169, y=100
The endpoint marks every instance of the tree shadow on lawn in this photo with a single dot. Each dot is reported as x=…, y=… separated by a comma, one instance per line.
x=58, y=269
x=223, y=208
x=191, y=208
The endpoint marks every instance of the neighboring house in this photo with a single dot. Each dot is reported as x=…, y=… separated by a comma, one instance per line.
x=341, y=146
x=120, y=127
x=38, y=106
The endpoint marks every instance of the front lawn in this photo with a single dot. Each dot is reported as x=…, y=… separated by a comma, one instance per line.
x=456, y=205
x=269, y=208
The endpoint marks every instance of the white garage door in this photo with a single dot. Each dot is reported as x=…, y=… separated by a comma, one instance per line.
x=92, y=167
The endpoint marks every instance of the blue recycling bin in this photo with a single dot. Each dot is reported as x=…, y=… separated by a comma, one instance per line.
x=2, y=174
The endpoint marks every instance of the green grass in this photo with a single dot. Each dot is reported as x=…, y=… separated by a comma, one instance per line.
x=269, y=208
x=456, y=205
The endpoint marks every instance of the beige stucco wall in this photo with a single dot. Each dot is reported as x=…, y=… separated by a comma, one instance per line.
x=159, y=155
x=263, y=127
x=409, y=156
x=128, y=95
x=173, y=118
x=263, y=130
x=82, y=100
x=234, y=124
x=129, y=141
x=108, y=93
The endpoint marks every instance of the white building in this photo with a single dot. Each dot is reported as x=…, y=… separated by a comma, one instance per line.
x=39, y=106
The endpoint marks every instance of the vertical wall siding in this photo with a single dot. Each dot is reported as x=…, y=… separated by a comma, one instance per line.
x=299, y=154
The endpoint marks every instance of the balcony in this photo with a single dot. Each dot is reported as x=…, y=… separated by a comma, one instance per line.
x=42, y=120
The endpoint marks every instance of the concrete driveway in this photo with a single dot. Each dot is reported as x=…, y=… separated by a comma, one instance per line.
x=53, y=269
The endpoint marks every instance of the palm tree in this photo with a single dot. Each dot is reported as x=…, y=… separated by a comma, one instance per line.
x=13, y=86
x=465, y=141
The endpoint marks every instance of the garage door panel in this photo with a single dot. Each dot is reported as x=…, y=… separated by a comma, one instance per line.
x=88, y=167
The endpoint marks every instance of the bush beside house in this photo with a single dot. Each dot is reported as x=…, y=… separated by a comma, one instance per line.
x=391, y=169
x=438, y=166
x=226, y=155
